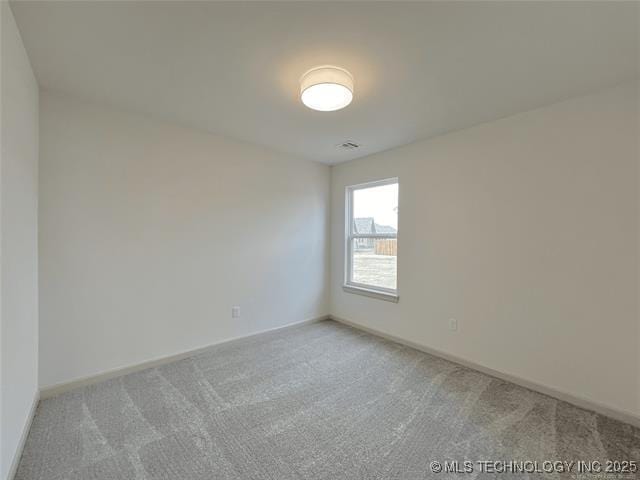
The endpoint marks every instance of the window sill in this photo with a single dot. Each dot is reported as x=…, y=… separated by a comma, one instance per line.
x=368, y=292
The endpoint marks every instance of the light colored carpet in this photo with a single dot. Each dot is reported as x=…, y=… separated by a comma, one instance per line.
x=320, y=401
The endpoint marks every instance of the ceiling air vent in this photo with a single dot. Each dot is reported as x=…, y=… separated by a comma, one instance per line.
x=348, y=146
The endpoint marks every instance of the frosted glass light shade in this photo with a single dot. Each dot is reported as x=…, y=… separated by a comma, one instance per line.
x=326, y=88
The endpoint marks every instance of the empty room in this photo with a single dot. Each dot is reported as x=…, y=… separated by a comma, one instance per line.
x=319, y=240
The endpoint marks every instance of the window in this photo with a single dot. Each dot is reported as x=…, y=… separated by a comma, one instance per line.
x=372, y=239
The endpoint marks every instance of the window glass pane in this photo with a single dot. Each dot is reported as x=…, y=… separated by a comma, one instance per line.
x=374, y=262
x=375, y=210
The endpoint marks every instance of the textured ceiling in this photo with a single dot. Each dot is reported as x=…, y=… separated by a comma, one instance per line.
x=420, y=69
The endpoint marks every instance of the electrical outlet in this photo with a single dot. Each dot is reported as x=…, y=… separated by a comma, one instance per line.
x=235, y=312
x=453, y=324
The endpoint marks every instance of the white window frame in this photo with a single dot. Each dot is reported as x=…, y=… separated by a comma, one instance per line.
x=349, y=285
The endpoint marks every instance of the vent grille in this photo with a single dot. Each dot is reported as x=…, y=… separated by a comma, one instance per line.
x=348, y=145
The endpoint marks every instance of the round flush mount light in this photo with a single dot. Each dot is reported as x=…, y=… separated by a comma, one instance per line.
x=326, y=88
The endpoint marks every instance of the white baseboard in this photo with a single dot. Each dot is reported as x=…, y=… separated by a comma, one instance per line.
x=23, y=437
x=617, y=414
x=57, y=389
x=621, y=415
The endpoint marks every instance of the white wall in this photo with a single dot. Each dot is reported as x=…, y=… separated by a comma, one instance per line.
x=18, y=240
x=149, y=233
x=637, y=103
x=526, y=231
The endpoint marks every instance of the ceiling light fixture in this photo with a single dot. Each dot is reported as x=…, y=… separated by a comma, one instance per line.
x=326, y=88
